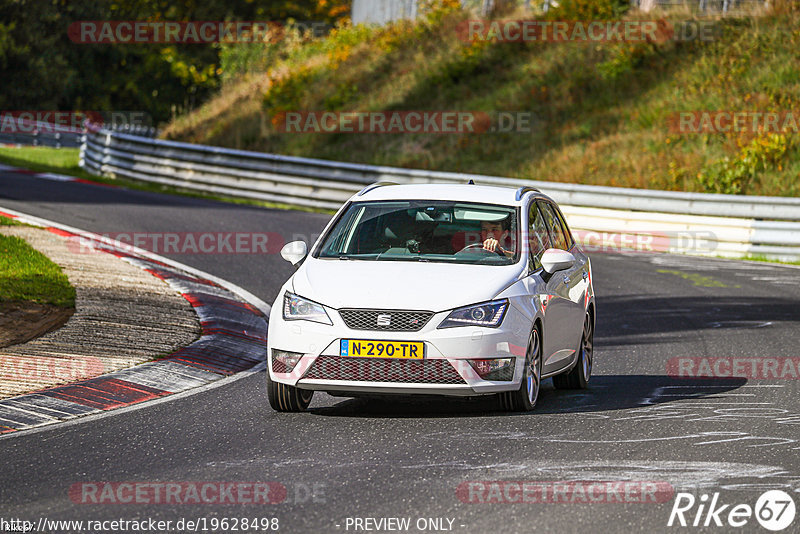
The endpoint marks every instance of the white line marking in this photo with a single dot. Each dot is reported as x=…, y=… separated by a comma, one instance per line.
x=720, y=403
x=262, y=306
x=102, y=415
x=55, y=177
x=710, y=396
x=723, y=387
x=28, y=412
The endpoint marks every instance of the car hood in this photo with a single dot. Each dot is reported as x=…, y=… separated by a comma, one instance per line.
x=400, y=285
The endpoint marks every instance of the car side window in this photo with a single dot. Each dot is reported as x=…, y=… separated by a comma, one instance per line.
x=538, y=236
x=567, y=232
x=553, y=224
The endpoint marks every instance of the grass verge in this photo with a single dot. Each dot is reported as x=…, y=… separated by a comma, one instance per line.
x=44, y=159
x=765, y=259
x=6, y=221
x=28, y=275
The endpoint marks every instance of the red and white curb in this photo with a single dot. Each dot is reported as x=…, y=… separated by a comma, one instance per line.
x=233, y=340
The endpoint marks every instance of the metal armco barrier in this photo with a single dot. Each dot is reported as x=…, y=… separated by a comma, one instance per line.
x=43, y=134
x=58, y=136
x=727, y=225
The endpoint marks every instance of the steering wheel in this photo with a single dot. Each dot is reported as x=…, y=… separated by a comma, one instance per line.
x=486, y=251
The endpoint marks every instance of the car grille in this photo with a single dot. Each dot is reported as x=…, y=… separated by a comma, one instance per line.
x=506, y=374
x=398, y=320
x=384, y=370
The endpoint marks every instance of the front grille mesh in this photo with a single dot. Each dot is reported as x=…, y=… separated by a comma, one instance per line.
x=399, y=320
x=278, y=366
x=506, y=374
x=384, y=370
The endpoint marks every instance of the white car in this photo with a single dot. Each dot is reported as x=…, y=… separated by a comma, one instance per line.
x=438, y=290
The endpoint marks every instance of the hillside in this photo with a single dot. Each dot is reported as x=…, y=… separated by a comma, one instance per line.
x=601, y=111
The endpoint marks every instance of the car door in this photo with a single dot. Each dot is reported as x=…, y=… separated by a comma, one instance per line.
x=565, y=312
x=568, y=285
x=579, y=282
x=541, y=286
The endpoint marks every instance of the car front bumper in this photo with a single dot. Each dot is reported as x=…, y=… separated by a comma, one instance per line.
x=444, y=370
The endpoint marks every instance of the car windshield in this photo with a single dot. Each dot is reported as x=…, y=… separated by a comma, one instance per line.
x=418, y=230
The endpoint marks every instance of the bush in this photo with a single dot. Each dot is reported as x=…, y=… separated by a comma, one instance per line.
x=736, y=176
x=588, y=9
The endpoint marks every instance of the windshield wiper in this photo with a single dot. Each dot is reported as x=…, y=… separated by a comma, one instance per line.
x=403, y=257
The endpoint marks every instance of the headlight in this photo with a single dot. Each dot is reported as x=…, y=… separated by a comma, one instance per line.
x=489, y=314
x=296, y=308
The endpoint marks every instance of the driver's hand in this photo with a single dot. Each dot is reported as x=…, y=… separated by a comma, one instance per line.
x=491, y=244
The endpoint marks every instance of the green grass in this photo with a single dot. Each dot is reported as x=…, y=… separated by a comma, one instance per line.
x=601, y=110
x=65, y=161
x=44, y=159
x=7, y=221
x=765, y=259
x=28, y=275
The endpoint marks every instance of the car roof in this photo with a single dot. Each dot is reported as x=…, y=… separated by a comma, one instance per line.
x=487, y=194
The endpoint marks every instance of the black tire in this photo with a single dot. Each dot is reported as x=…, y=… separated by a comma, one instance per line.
x=524, y=399
x=284, y=398
x=578, y=377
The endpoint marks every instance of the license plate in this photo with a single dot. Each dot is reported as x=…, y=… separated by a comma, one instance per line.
x=361, y=348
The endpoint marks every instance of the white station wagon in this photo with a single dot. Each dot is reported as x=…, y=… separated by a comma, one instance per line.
x=437, y=290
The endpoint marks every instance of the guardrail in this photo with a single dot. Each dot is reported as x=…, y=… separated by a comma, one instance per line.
x=37, y=133
x=59, y=136
x=733, y=225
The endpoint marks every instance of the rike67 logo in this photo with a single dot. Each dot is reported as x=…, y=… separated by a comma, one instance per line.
x=774, y=510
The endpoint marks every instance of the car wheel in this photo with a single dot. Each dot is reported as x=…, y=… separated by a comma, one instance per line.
x=524, y=399
x=285, y=398
x=578, y=377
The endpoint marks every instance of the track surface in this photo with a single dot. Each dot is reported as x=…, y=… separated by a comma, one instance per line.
x=405, y=458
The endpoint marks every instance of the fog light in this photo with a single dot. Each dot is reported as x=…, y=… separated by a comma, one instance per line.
x=284, y=361
x=499, y=369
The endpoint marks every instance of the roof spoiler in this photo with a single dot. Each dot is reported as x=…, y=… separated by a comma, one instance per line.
x=374, y=186
x=522, y=190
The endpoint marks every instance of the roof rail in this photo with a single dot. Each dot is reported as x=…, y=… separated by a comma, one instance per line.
x=522, y=190
x=374, y=186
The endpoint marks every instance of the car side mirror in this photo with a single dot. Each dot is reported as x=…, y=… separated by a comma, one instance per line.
x=554, y=260
x=294, y=252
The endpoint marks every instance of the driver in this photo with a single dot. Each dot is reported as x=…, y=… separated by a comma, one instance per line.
x=495, y=236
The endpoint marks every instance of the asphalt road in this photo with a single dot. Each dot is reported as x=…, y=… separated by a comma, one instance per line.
x=406, y=458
